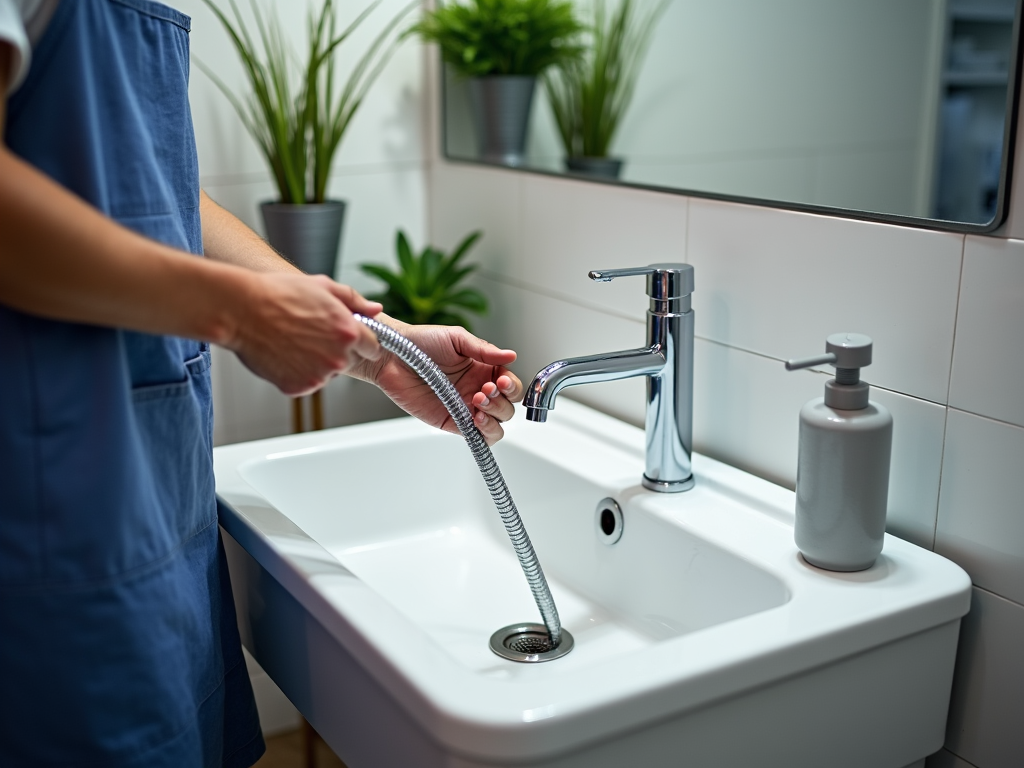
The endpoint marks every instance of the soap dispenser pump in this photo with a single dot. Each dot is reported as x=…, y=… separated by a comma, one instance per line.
x=842, y=477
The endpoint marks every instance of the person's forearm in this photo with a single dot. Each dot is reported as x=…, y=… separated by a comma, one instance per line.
x=228, y=240
x=62, y=259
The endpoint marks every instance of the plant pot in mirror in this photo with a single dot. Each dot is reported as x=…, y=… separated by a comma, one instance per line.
x=501, y=47
x=309, y=235
x=501, y=113
x=599, y=167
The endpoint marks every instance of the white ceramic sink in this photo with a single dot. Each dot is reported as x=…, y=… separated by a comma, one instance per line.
x=371, y=568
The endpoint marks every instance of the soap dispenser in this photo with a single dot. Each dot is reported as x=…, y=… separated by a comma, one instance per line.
x=842, y=476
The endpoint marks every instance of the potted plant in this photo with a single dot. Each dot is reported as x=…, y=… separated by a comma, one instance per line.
x=298, y=119
x=427, y=288
x=502, y=46
x=589, y=95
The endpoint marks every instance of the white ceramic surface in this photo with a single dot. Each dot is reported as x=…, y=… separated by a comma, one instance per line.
x=703, y=619
x=981, y=517
x=989, y=326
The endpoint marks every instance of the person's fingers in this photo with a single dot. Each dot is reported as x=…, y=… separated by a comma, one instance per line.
x=510, y=386
x=468, y=345
x=365, y=344
x=494, y=405
x=489, y=427
x=351, y=298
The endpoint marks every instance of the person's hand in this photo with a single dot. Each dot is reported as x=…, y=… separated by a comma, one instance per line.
x=474, y=366
x=297, y=331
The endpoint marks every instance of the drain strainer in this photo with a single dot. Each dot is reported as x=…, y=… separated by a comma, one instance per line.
x=529, y=643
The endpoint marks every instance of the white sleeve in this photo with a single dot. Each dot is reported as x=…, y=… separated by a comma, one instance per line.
x=12, y=31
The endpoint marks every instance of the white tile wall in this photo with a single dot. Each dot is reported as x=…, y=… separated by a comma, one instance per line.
x=987, y=356
x=485, y=199
x=571, y=227
x=918, y=427
x=985, y=719
x=778, y=282
x=981, y=508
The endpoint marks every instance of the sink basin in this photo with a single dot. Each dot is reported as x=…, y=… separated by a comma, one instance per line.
x=370, y=569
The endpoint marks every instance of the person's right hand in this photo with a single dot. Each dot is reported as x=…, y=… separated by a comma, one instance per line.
x=297, y=331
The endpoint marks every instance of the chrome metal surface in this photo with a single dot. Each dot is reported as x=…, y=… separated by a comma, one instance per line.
x=425, y=368
x=529, y=643
x=667, y=362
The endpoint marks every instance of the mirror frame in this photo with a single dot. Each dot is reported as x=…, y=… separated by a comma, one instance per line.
x=942, y=225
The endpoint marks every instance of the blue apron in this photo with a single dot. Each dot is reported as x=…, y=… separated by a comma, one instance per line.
x=118, y=643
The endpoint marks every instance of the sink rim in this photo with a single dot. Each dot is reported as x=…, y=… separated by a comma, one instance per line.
x=487, y=717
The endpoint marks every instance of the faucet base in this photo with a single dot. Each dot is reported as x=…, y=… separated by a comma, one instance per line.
x=668, y=486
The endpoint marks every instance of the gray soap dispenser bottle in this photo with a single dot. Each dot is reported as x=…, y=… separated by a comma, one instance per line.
x=842, y=476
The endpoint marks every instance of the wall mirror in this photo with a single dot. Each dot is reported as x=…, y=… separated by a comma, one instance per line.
x=891, y=110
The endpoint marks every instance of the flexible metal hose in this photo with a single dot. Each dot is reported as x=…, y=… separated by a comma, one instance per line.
x=427, y=370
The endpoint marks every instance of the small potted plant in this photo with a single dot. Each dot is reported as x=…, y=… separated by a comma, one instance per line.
x=589, y=95
x=502, y=46
x=428, y=288
x=298, y=119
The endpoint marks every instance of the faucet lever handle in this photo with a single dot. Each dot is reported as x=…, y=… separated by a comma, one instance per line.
x=607, y=275
x=665, y=281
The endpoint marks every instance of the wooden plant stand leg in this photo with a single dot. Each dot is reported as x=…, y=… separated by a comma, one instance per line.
x=316, y=407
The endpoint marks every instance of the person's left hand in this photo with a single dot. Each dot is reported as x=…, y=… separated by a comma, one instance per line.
x=475, y=367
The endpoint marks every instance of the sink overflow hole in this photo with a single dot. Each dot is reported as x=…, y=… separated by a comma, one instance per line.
x=608, y=516
x=607, y=522
x=529, y=643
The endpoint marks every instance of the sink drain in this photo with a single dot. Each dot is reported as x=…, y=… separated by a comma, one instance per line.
x=529, y=643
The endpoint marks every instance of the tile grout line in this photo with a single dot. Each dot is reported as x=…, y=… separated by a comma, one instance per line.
x=1010, y=600
x=993, y=419
x=949, y=386
x=956, y=315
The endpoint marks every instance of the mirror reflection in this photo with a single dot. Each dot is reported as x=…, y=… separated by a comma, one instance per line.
x=890, y=109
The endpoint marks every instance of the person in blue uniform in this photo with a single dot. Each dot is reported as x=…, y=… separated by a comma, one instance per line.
x=118, y=644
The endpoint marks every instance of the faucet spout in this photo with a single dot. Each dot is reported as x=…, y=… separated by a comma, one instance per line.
x=609, y=366
x=666, y=361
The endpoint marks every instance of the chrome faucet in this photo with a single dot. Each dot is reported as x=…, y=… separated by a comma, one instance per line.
x=666, y=361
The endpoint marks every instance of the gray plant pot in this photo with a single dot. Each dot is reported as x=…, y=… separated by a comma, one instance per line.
x=603, y=167
x=501, y=113
x=308, y=235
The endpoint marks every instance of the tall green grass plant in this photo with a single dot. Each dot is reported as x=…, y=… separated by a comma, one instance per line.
x=590, y=95
x=298, y=118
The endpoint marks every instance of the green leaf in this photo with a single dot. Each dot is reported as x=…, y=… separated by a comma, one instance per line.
x=405, y=258
x=468, y=298
x=503, y=37
x=431, y=260
x=393, y=281
x=426, y=288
